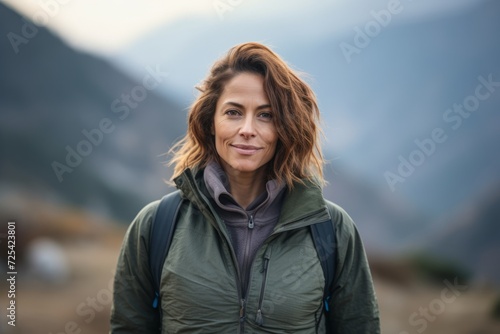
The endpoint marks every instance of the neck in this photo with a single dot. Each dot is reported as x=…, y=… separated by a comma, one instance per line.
x=245, y=187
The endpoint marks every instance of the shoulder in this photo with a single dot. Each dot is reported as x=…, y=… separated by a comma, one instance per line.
x=141, y=224
x=353, y=297
x=147, y=213
x=346, y=232
x=343, y=222
x=148, y=210
x=351, y=256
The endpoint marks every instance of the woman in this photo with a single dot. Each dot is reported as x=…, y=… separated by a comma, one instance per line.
x=242, y=259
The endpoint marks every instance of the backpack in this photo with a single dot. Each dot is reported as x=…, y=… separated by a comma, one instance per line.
x=323, y=235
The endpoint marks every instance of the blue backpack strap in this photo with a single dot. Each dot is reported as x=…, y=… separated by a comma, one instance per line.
x=325, y=242
x=160, y=238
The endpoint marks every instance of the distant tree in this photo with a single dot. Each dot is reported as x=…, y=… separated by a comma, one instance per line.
x=438, y=270
x=496, y=309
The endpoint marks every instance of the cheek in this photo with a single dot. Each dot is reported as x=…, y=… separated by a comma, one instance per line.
x=219, y=143
x=222, y=134
x=271, y=136
x=221, y=131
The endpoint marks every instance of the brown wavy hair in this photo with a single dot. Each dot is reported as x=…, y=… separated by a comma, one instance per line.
x=298, y=154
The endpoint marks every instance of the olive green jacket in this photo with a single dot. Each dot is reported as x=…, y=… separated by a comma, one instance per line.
x=201, y=286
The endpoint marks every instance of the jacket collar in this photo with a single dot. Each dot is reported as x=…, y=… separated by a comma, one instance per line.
x=264, y=206
x=302, y=206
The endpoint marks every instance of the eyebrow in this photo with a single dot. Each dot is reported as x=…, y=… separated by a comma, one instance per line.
x=236, y=104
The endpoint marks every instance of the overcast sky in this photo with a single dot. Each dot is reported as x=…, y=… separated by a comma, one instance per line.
x=106, y=26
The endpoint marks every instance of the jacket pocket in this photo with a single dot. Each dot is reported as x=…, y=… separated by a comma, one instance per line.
x=259, y=318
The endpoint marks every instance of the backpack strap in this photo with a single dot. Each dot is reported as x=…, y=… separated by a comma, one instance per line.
x=323, y=235
x=160, y=238
x=162, y=231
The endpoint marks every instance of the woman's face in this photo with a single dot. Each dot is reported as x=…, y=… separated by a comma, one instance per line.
x=245, y=135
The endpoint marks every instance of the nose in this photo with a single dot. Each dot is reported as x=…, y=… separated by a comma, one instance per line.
x=247, y=129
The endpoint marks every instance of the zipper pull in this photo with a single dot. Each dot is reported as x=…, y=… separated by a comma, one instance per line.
x=242, y=310
x=250, y=222
x=259, y=319
x=265, y=263
x=155, y=301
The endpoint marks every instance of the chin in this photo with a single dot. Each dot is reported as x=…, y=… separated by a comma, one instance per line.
x=245, y=167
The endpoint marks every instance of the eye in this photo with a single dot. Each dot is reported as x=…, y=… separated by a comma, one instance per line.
x=266, y=115
x=232, y=112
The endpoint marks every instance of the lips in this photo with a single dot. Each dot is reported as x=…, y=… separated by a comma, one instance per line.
x=245, y=149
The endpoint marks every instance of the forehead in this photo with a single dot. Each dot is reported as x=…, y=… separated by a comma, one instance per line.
x=244, y=87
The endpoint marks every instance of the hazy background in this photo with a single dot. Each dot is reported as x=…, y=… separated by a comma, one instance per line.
x=382, y=88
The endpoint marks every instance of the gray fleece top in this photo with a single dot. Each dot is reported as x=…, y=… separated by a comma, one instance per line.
x=248, y=228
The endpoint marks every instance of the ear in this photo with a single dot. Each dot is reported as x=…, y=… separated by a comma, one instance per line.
x=212, y=130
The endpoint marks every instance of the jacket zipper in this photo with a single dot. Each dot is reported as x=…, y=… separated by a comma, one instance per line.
x=244, y=275
x=259, y=319
x=248, y=241
x=235, y=260
x=259, y=316
x=239, y=288
x=242, y=314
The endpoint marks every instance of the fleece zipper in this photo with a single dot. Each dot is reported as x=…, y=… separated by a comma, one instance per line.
x=246, y=265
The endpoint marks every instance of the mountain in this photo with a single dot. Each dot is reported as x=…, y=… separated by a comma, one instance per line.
x=51, y=94
x=57, y=103
x=53, y=99
x=394, y=92
x=473, y=240
x=388, y=223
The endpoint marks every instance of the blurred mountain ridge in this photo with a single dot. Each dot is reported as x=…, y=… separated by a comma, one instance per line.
x=472, y=241
x=396, y=90
x=50, y=93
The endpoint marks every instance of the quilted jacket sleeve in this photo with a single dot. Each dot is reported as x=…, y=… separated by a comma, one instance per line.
x=133, y=294
x=353, y=304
